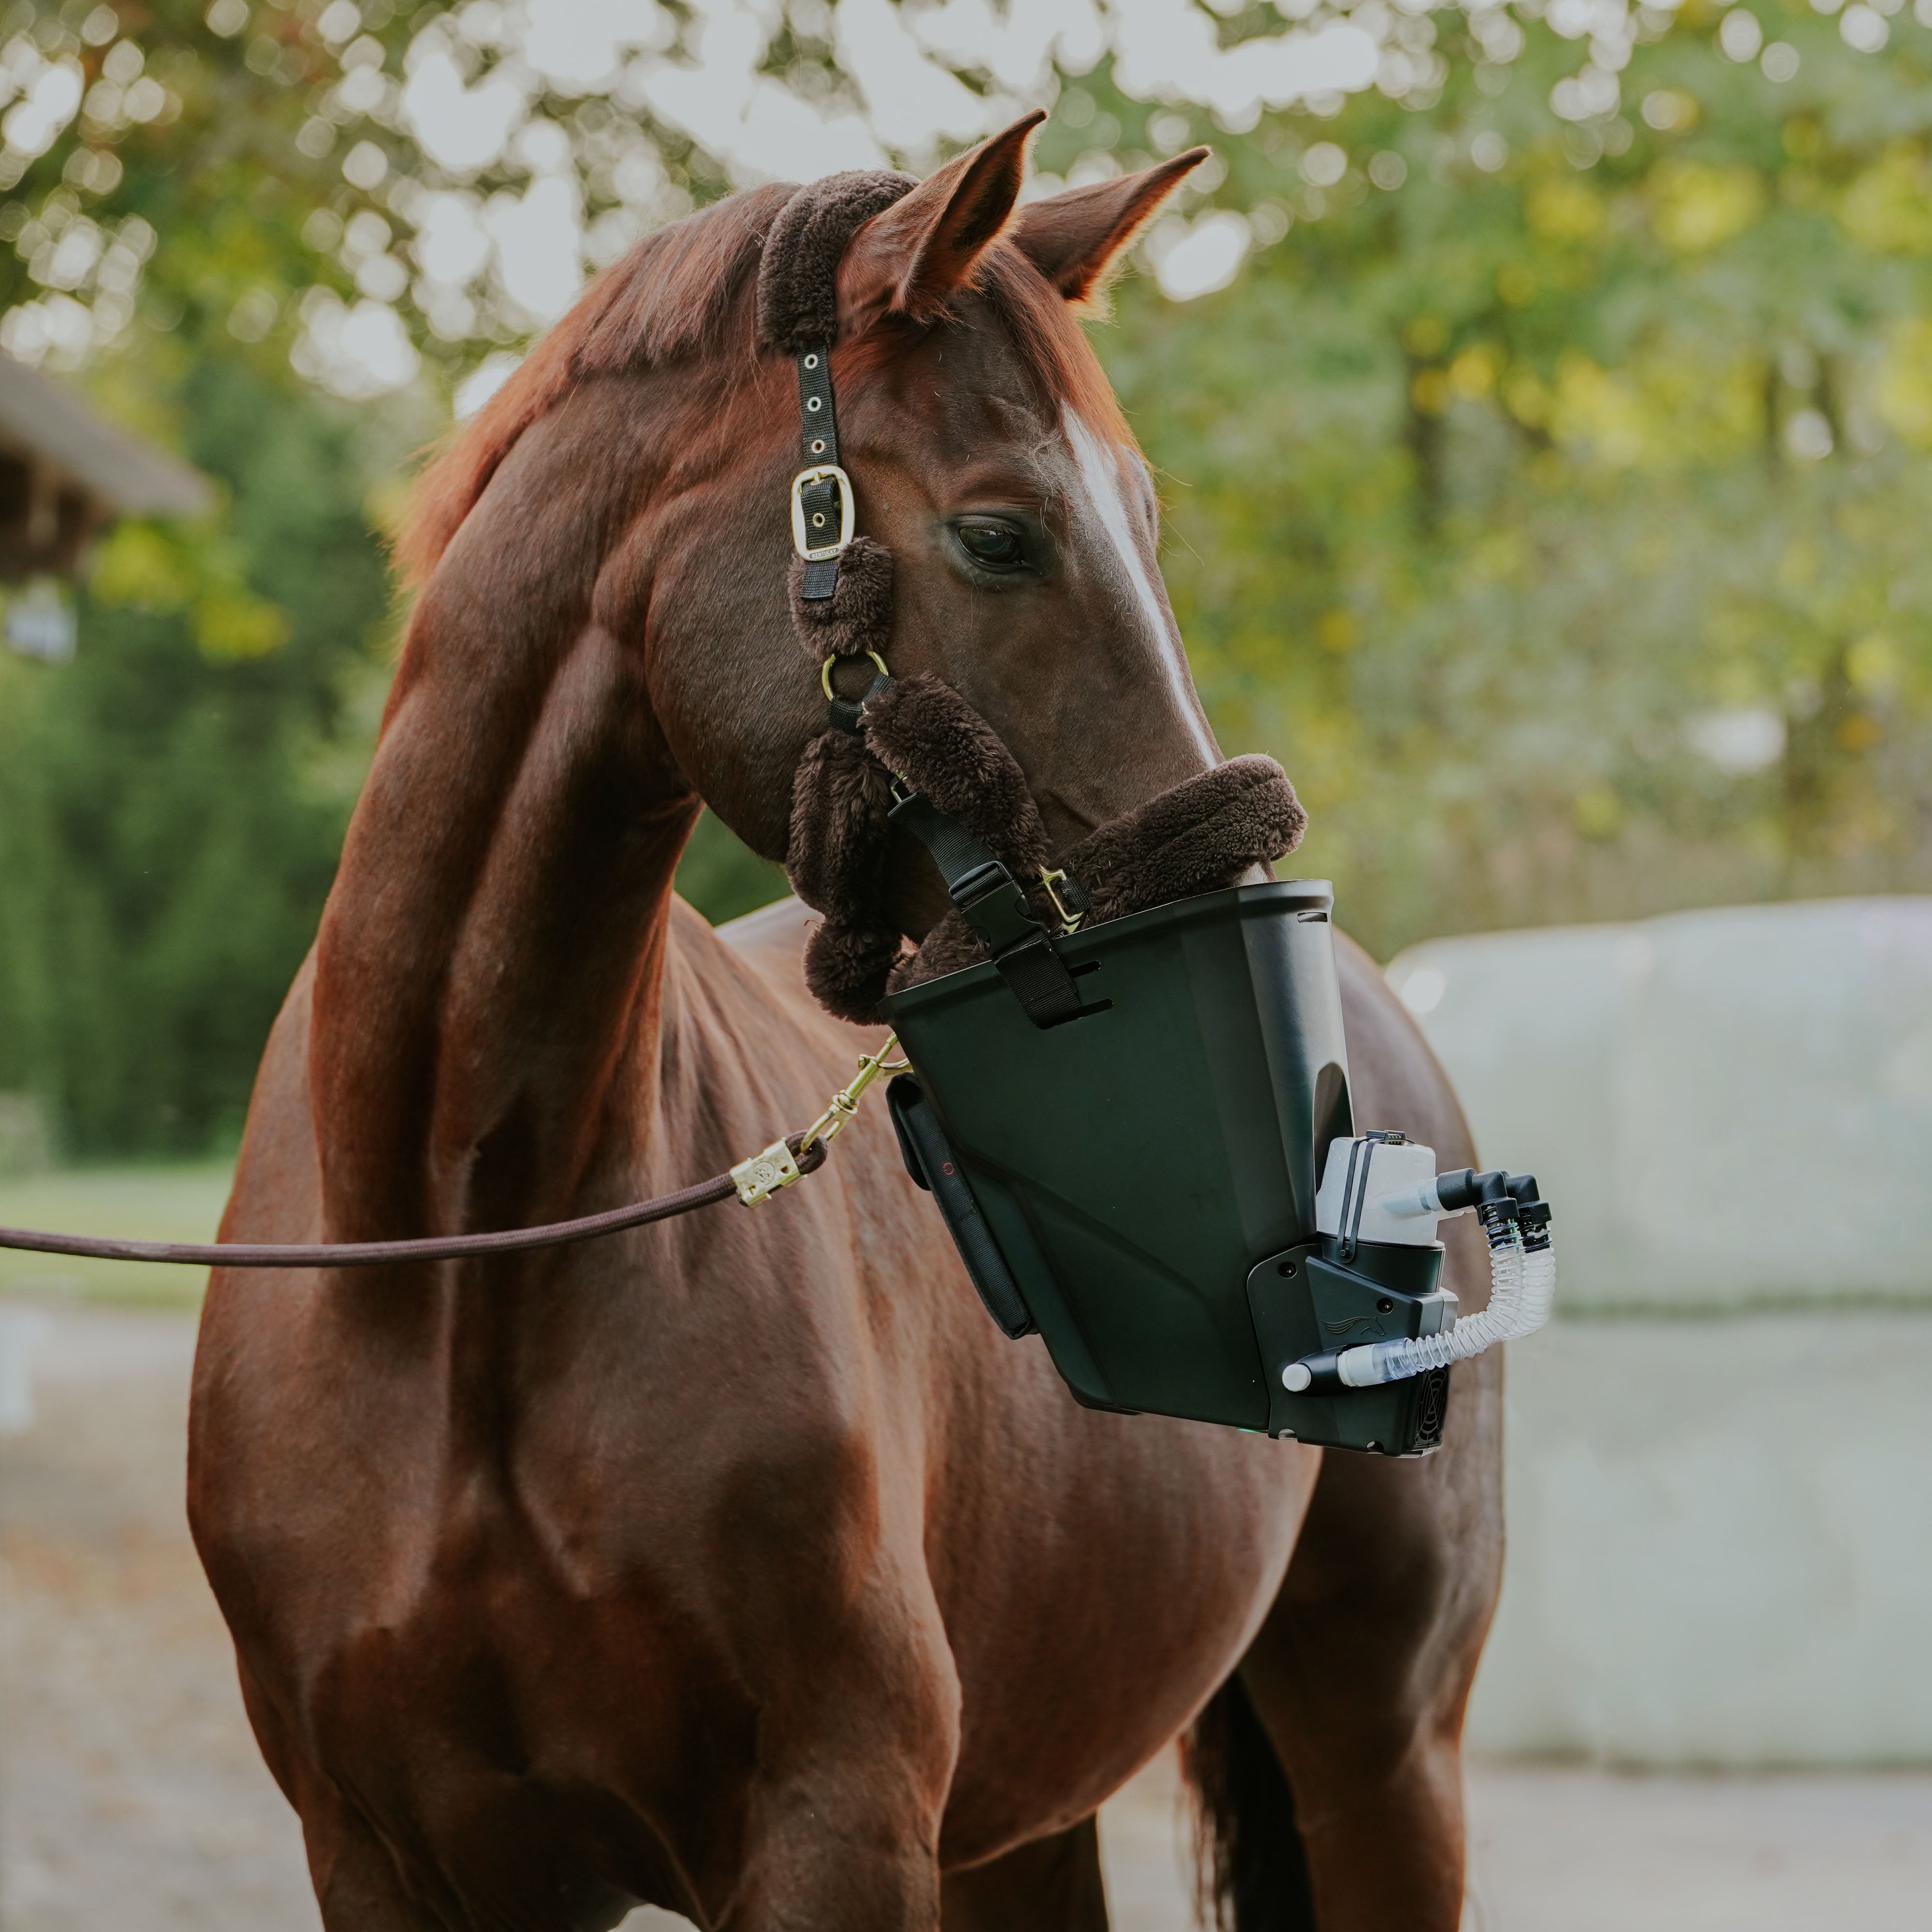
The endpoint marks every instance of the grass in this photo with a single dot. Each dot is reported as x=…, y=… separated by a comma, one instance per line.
x=156, y=1203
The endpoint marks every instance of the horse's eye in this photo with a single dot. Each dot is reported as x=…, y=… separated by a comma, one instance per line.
x=993, y=546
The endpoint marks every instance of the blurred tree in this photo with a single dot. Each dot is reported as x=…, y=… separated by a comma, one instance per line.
x=171, y=801
x=1545, y=488
x=1548, y=492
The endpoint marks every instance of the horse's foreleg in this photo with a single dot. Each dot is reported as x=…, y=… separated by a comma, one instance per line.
x=832, y=1853
x=1052, y=1885
x=358, y=1886
x=1362, y=1671
x=856, y=1753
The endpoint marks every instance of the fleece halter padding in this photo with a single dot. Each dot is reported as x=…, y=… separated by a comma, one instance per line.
x=918, y=735
x=1196, y=837
x=798, y=271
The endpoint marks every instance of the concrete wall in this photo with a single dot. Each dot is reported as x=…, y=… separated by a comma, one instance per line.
x=1720, y=1454
x=1720, y=1544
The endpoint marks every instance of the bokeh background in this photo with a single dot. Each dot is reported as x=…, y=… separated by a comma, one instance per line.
x=1540, y=394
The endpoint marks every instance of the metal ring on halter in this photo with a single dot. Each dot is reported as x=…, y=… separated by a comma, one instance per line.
x=825, y=673
x=848, y=511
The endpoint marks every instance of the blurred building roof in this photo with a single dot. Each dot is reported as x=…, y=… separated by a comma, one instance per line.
x=43, y=425
x=65, y=476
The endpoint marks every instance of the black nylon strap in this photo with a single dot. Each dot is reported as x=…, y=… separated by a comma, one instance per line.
x=818, y=441
x=985, y=891
x=957, y=854
x=817, y=421
x=844, y=714
x=821, y=579
x=1039, y=979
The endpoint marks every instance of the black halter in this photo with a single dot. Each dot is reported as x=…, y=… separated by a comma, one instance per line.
x=824, y=511
x=911, y=754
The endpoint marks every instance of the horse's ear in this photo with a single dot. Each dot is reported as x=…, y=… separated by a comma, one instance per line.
x=1074, y=239
x=909, y=259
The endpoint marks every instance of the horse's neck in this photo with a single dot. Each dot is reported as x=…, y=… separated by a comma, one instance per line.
x=495, y=941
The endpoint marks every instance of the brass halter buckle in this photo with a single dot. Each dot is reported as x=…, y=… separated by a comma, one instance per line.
x=848, y=511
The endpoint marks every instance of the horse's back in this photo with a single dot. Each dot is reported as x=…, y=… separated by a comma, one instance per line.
x=773, y=938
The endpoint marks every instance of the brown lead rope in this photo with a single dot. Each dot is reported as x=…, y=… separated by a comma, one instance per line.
x=751, y=1181
x=369, y=1254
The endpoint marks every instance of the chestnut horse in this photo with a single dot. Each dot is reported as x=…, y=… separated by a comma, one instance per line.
x=737, y=1564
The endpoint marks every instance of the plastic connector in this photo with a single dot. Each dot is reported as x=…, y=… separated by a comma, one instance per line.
x=1522, y=1284
x=1464, y=1188
x=1314, y=1374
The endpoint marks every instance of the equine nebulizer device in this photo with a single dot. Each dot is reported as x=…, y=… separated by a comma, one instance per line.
x=1168, y=1186
x=1367, y=1344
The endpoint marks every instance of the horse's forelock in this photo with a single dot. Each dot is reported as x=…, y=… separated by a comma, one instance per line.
x=677, y=294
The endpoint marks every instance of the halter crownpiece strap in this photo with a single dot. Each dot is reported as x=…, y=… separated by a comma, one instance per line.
x=798, y=315
x=798, y=271
x=823, y=509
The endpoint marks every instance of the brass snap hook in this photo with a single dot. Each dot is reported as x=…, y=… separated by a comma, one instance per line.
x=844, y=1104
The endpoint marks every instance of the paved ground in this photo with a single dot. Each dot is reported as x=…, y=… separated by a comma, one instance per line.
x=130, y=1796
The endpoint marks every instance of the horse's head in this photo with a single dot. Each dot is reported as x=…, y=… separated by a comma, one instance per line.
x=986, y=450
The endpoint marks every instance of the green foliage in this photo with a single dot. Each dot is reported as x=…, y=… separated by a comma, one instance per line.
x=1494, y=496
x=171, y=801
x=721, y=876
x=267, y=141
x=181, y=131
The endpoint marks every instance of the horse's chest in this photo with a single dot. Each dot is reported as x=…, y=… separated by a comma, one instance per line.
x=467, y=1675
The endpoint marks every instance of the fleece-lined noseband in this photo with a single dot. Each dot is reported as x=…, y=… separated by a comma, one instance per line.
x=911, y=753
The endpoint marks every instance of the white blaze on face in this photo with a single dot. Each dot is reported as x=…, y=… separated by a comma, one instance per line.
x=1100, y=474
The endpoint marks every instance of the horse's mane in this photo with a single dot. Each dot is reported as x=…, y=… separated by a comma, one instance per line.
x=677, y=295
